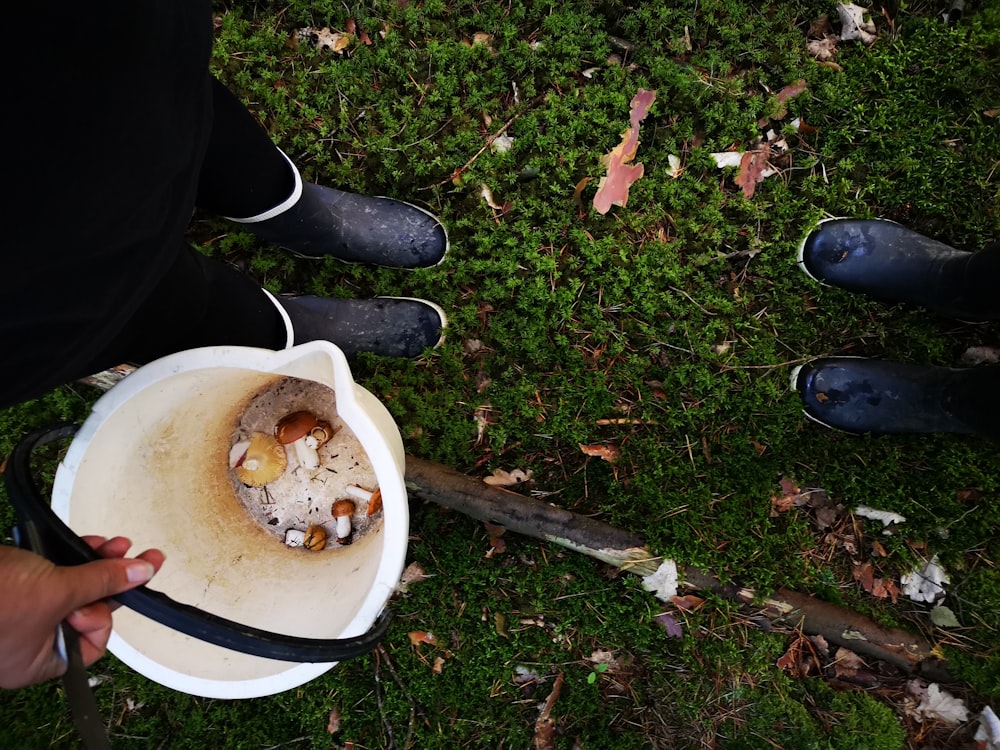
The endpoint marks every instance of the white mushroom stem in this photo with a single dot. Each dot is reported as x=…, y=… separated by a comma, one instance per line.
x=306, y=453
x=295, y=537
x=358, y=493
x=343, y=527
x=237, y=453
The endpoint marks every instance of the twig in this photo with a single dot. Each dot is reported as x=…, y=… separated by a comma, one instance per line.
x=465, y=167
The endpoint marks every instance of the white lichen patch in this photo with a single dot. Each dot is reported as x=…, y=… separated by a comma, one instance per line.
x=663, y=582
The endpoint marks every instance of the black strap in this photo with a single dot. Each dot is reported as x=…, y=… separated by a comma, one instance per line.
x=64, y=547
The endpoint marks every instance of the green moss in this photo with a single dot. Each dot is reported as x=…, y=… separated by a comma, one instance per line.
x=667, y=327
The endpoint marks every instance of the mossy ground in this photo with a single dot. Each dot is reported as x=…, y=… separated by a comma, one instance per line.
x=681, y=313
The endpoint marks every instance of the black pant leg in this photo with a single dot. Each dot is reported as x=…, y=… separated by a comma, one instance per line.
x=244, y=173
x=200, y=302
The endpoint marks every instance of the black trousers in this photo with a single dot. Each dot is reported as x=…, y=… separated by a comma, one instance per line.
x=201, y=301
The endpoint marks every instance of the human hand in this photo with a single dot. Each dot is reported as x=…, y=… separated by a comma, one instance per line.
x=36, y=596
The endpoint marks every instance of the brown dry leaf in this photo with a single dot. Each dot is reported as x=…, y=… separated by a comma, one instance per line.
x=847, y=663
x=609, y=453
x=545, y=738
x=577, y=195
x=688, y=603
x=422, y=636
x=613, y=187
x=824, y=49
x=497, y=544
x=438, y=665
x=753, y=168
x=864, y=574
x=788, y=93
x=333, y=721
x=800, y=659
x=790, y=496
x=414, y=573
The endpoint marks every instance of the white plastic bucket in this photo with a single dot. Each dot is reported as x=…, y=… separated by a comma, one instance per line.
x=152, y=463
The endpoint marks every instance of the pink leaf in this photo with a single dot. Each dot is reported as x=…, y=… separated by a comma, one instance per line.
x=613, y=188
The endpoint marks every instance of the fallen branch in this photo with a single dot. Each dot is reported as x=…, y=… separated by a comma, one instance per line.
x=434, y=482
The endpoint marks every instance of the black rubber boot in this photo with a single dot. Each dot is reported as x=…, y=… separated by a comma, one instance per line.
x=386, y=326
x=317, y=221
x=891, y=263
x=873, y=396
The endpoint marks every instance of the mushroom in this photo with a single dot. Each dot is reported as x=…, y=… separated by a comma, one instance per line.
x=342, y=512
x=295, y=537
x=296, y=430
x=372, y=498
x=315, y=538
x=263, y=462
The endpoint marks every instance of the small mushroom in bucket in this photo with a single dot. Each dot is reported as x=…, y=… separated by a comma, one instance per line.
x=305, y=433
x=342, y=512
x=371, y=498
x=315, y=538
x=261, y=462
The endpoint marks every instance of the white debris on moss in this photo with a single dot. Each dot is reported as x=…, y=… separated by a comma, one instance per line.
x=988, y=733
x=663, y=583
x=854, y=25
x=887, y=517
x=925, y=584
x=928, y=702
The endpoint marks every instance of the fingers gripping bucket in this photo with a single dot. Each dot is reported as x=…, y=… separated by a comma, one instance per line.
x=153, y=463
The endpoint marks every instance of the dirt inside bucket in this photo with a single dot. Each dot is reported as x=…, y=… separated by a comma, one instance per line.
x=300, y=499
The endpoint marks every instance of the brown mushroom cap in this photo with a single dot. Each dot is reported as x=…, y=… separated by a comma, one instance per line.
x=264, y=461
x=315, y=539
x=375, y=503
x=343, y=508
x=294, y=426
x=322, y=432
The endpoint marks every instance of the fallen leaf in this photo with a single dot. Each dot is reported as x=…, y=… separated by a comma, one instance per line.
x=544, y=738
x=325, y=38
x=824, y=49
x=930, y=702
x=981, y=355
x=675, y=166
x=788, y=93
x=800, y=659
x=501, y=144
x=502, y=478
x=669, y=623
x=421, y=636
x=609, y=453
x=925, y=584
x=414, y=573
x=487, y=193
x=854, y=25
x=688, y=603
x=614, y=186
x=753, y=169
x=333, y=721
x=943, y=617
x=438, y=665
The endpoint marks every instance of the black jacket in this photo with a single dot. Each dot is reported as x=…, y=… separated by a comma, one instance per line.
x=108, y=113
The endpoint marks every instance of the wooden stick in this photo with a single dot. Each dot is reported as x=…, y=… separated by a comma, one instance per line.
x=427, y=480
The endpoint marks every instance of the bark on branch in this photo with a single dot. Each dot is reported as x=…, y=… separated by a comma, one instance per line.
x=434, y=482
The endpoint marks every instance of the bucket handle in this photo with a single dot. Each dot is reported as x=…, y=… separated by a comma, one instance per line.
x=63, y=547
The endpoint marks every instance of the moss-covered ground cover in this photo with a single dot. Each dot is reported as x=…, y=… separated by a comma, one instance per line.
x=666, y=328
